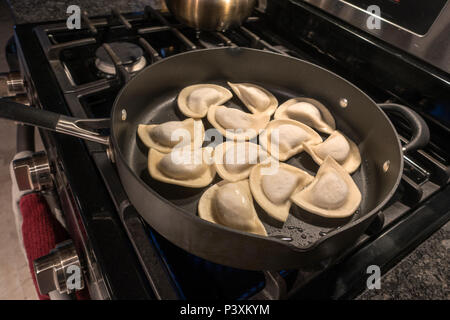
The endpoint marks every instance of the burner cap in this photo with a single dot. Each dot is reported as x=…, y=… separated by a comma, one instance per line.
x=130, y=54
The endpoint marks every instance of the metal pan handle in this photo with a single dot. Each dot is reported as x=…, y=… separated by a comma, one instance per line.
x=420, y=132
x=80, y=128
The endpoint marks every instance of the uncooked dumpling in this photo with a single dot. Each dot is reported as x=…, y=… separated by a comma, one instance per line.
x=332, y=194
x=234, y=160
x=255, y=98
x=194, y=101
x=272, y=189
x=286, y=138
x=183, y=166
x=236, y=124
x=340, y=148
x=231, y=204
x=164, y=137
x=308, y=111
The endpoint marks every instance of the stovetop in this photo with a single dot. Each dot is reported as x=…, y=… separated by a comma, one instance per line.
x=130, y=259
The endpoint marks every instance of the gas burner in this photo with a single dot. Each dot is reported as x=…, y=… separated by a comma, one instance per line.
x=131, y=56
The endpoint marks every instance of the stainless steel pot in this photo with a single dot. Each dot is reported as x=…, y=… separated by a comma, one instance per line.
x=211, y=14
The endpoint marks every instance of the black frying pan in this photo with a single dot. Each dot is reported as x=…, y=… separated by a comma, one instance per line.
x=150, y=97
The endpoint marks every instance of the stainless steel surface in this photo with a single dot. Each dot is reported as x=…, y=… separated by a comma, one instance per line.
x=94, y=278
x=33, y=173
x=68, y=126
x=52, y=270
x=11, y=84
x=211, y=14
x=433, y=47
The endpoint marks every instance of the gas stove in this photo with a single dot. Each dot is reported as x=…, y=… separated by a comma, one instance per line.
x=80, y=72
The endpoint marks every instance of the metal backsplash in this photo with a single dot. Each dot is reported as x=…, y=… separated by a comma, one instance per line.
x=433, y=47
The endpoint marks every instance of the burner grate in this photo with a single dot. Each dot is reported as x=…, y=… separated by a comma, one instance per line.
x=72, y=53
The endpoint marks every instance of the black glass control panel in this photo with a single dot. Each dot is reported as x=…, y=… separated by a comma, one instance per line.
x=414, y=15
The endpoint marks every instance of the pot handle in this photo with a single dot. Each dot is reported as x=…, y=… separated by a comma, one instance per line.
x=80, y=128
x=420, y=131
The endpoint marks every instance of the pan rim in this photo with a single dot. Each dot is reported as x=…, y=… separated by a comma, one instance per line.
x=119, y=154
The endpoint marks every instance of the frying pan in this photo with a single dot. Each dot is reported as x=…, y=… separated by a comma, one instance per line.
x=304, y=240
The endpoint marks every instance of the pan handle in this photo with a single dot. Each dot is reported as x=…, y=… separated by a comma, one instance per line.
x=80, y=128
x=420, y=131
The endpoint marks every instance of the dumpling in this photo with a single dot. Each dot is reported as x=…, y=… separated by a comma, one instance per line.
x=272, y=190
x=236, y=124
x=164, y=137
x=332, y=194
x=340, y=148
x=185, y=167
x=194, y=101
x=234, y=160
x=308, y=111
x=290, y=136
x=231, y=204
x=255, y=98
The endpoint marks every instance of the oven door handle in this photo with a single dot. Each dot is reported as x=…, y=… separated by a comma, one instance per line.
x=81, y=128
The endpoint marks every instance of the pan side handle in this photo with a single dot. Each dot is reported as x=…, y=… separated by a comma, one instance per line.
x=420, y=131
x=52, y=121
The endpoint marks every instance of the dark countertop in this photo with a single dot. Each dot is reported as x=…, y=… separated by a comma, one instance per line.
x=423, y=274
x=25, y=11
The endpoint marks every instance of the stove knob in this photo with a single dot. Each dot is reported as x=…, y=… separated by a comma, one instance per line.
x=60, y=270
x=33, y=173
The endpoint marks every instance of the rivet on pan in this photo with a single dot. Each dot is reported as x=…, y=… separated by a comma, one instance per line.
x=124, y=114
x=386, y=165
x=343, y=103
